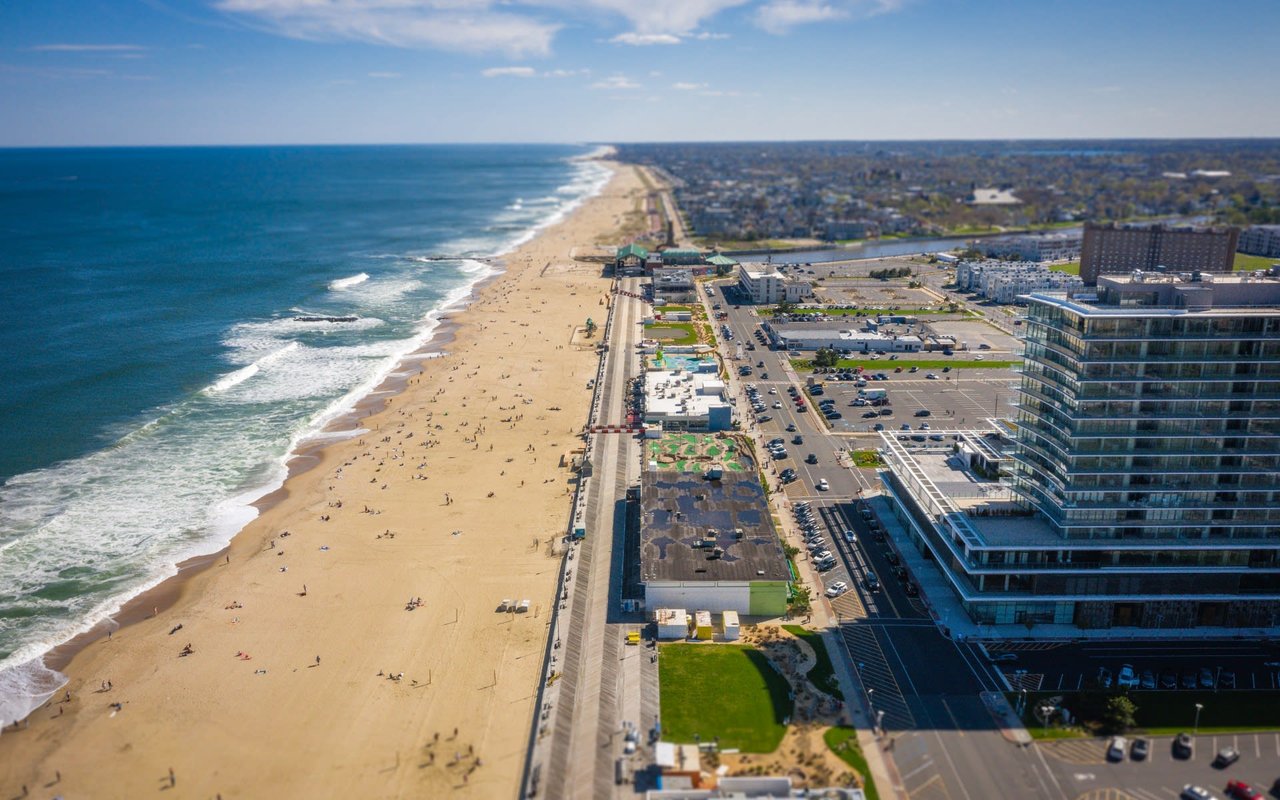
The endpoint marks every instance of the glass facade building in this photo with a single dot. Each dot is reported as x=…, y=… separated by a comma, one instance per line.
x=1144, y=481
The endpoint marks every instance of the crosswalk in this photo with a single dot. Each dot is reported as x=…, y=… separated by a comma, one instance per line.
x=873, y=667
x=1077, y=751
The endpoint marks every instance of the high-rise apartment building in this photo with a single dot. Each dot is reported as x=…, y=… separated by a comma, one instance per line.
x=1144, y=484
x=1116, y=249
x=1261, y=240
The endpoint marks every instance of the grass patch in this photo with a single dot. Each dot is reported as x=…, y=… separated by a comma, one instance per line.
x=726, y=691
x=678, y=333
x=1163, y=712
x=1244, y=262
x=1071, y=267
x=889, y=366
x=866, y=459
x=844, y=743
x=823, y=674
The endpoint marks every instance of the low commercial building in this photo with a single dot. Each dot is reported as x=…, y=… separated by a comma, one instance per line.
x=764, y=285
x=1061, y=246
x=674, y=285
x=811, y=336
x=710, y=544
x=686, y=401
x=1261, y=240
x=630, y=259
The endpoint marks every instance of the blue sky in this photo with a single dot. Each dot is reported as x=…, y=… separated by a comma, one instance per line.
x=111, y=72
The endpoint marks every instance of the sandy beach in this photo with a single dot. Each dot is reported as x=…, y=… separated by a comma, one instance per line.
x=346, y=644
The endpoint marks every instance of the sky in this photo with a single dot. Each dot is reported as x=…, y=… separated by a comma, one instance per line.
x=172, y=72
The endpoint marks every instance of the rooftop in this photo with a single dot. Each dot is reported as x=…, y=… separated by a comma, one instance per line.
x=680, y=512
x=679, y=393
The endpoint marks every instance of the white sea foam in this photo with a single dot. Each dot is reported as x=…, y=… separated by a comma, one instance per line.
x=245, y=373
x=347, y=283
x=25, y=688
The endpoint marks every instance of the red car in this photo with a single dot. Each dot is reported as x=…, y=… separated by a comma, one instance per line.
x=1243, y=791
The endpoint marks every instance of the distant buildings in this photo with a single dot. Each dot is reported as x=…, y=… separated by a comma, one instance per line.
x=1144, y=486
x=1261, y=240
x=992, y=197
x=766, y=286
x=1114, y=249
x=710, y=544
x=834, y=230
x=1004, y=281
x=1062, y=246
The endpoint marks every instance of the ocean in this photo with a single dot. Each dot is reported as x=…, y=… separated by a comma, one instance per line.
x=176, y=321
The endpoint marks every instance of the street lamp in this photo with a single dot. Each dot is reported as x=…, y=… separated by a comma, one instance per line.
x=1198, y=707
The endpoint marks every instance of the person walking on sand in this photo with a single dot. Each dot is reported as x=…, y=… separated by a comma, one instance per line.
x=173, y=779
x=317, y=661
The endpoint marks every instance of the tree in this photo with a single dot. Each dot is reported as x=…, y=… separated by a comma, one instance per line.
x=826, y=357
x=785, y=307
x=1120, y=714
x=801, y=601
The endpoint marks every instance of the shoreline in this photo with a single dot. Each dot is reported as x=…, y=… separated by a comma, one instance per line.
x=200, y=598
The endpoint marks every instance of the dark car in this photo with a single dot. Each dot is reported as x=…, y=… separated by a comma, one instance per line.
x=924, y=412
x=1168, y=679
x=1184, y=746
x=1188, y=680
x=912, y=590
x=891, y=557
x=1226, y=757
x=811, y=459
x=873, y=583
x=1139, y=750
x=901, y=574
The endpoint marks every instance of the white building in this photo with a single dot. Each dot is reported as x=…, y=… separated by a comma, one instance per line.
x=673, y=285
x=1063, y=246
x=1260, y=240
x=691, y=401
x=1004, y=281
x=807, y=336
x=765, y=285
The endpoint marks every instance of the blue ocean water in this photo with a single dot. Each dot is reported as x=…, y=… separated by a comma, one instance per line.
x=154, y=373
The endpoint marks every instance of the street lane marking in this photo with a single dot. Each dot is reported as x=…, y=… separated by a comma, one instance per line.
x=928, y=762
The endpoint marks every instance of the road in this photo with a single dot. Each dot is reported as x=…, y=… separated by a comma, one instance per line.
x=941, y=737
x=602, y=682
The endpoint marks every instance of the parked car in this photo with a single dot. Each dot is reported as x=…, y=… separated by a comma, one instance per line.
x=999, y=657
x=1127, y=679
x=836, y=589
x=1206, y=678
x=1188, y=680
x=1116, y=748
x=1192, y=792
x=891, y=557
x=912, y=590
x=1226, y=679
x=1148, y=680
x=1168, y=679
x=924, y=412
x=1243, y=791
x=1139, y=750
x=1226, y=757
x=1104, y=677
x=873, y=583
x=1184, y=746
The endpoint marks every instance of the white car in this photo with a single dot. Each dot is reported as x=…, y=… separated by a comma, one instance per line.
x=777, y=404
x=1127, y=679
x=836, y=589
x=1117, y=748
x=823, y=485
x=850, y=536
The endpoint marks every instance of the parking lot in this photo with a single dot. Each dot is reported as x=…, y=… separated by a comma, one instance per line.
x=1073, y=667
x=962, y=397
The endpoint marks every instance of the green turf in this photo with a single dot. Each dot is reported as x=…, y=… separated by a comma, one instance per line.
x=1071, y=267
x=677, y=333
x=1254, y=262
x=870, y=312
x=729, y=691
x=888, y=367
x=866, y=458
x=823, y=674
x=844, y=743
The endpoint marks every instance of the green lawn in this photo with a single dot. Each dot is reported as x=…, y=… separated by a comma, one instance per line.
x=866, y=459
x=729, y=691
x=889, y=366
x=823, y=674
x=844, y=743
x=1071, y=267
x=1166, y=712
x=678, y=333
x=1254, y=262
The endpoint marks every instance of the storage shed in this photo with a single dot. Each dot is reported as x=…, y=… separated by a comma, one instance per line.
x=673, y=623
x=730, y=626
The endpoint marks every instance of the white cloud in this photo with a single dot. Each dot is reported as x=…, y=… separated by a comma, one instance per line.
x=87, y=48
x=707, y=36
x=616, y=82
x=688, y=87
x=466, y=25
x=675, y=17
x=643, y=39
x=385, y=75
x=780, y=16
x=510, y=72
